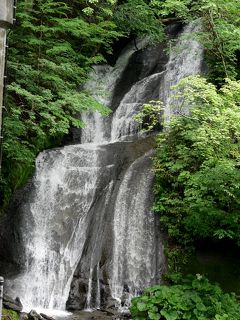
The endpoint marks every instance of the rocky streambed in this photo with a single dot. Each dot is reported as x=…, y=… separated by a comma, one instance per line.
x=95, y=315
x=13, y=310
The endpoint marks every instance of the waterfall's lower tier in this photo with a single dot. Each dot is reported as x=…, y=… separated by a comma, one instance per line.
x=123, y=250
x=86, y=227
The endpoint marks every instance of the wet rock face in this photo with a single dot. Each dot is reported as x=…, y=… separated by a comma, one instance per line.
x=11, y=247
x=78, y=294
x=142, y=64
x=107, y=268
x=12, y=304
x=97, y=315
x=96, y=175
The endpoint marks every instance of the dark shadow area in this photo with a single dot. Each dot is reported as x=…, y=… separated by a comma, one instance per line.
x=219, y=261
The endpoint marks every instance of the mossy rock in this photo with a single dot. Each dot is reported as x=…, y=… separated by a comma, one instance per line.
x=10, y=315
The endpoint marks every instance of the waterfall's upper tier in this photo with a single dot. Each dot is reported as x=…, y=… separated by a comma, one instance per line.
x=138, y=77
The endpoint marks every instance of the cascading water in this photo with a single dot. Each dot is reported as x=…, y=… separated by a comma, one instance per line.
x=102, y=84
x=87, y=226
x=147, y=89
x=135, y=252
x=186, y=55
x=52, y=236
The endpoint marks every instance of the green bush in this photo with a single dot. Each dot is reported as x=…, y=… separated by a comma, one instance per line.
x=10, y=315
x=197, y=185
x=192, y=298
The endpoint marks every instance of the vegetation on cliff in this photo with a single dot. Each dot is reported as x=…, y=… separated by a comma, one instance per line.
x=197, y=164
x=197, y=158
x=8, y=314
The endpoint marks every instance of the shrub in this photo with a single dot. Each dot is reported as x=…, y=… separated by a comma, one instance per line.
x=197, y=164
x=192, y=298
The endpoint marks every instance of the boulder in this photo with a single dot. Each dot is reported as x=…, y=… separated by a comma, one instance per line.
x=23, y=316
x=10, y=303
x=46, y=317
x=33, y=315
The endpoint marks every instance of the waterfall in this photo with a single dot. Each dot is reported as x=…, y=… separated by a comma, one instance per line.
x=54, y=230
x=186, y=55
x=87, y=231
x=102, y=84
x=135, y=252
x=144, y=90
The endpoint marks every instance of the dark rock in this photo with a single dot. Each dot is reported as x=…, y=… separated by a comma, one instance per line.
x=124, y=297
x=12, y=306
x=23, y=316
x=18, y=301
x=46, y=317
x=78, y=295
x=33, y=315
x=10, y=303
x=143, y=63
x=111, y=312
x=111, y=303
x=97, y=315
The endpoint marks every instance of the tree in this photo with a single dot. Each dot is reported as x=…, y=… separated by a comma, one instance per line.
x=138, y=18
x=197, y=186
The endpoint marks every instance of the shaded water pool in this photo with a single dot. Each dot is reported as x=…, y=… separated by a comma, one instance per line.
x=219, y=263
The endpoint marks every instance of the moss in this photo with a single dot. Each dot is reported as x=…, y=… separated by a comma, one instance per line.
x=10, y=315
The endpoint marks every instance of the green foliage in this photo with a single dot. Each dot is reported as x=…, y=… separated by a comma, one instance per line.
x=192, y=298
x=179, y=8
x=149, y=116
x=197, y=185
x=177, y=257
x=10, y=314
x=136, y=17
x=220, y=34
x=98, y=9
x=221, y=38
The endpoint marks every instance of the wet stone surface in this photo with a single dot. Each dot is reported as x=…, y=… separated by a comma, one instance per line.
x=94, y=315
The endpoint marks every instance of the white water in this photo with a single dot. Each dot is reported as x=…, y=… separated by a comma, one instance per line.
x=54, y=241
x=123, y=124
x=135, y=251
x=55, y=226
x=103, y=80
x=185, y=59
